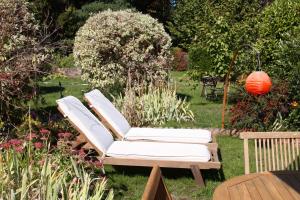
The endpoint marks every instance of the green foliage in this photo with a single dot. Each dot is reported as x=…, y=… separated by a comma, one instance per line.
x=28, y=173
x=154, y=106
x=279, y=25
x=180, y=61
x=200, y=62
x=21, y=58
x=217, y=27
x=64, y=61
x=158, y=9
x=114, y=44
x=72, y=19
x=259, y=113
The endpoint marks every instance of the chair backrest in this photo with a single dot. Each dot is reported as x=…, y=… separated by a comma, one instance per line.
x=108, y=112
x=86, y=122
x=273, y=150
x=156, y=188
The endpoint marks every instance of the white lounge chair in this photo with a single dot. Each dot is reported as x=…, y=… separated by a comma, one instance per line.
x=120, y=127
x=137, y=153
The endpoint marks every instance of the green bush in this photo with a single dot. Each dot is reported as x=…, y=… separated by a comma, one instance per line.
x=259, y=113
x=153, y=106
x=64, y=61
x=21, y=58
x=217, y=27
x=200, y=62
x=112, y=45
x=72, y=19
x=279, y=22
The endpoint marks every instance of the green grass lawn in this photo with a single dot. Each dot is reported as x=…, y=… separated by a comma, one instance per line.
x=129, y=182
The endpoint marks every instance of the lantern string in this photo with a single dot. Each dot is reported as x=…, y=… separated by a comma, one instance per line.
x=258, y=68
x=258, y=60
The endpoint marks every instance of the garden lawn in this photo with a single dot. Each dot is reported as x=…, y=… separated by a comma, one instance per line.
x=129, y=182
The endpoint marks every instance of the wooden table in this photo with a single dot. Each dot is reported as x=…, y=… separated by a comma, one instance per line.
x=268, y=185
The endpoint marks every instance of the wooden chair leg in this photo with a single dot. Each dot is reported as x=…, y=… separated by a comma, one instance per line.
x=80, y=139
x=197, y=175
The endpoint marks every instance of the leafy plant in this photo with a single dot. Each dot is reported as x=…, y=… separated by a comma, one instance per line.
x=27, y=173
x=112, y=45
x=278, y=28
x=258, y=113
x=180, y=62
x=72, y=19
x=64, y=61
x=200, y=62
x=215, y=29
x=153, y=106
x=21, y=57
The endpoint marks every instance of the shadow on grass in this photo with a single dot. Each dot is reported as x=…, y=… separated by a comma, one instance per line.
x=182, y=96
x=50, y=89
x=170, y=173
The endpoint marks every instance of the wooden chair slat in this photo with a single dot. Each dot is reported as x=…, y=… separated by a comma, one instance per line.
x=273, y=150
x=273, y=155
x=293, y=154
x=290, y=164
x=260, y=155
x=256, y=158
x=265, y=155
x=285, y=154
x=277, y=154
x=297, y=154
x=281, y=153
x=269, y=155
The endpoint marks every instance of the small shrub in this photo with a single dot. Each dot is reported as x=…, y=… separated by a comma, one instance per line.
x=112, y=45
x=72, y=19
x=64, y=61
x=180, y=62
x=21, y=58
x=200, y=59
x=28, y=171
x=292, y=121
x=153, y=106
x=258, y=113
x=279, y=24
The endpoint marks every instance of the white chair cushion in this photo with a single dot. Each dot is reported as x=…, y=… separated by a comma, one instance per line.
x=170, y=135
x=80, y=116
x=159, y=151
x=108, y=111
x=120, y=124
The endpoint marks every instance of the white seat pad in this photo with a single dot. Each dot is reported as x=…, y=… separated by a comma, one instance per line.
x=108, y=111
x=170, y=135
x=159, y=151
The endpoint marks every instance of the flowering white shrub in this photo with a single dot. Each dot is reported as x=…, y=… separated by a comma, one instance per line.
x=114, y=44
x=154, y=106
x=21, y=57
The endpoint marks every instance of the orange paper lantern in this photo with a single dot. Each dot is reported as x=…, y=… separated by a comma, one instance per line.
x=258, y=83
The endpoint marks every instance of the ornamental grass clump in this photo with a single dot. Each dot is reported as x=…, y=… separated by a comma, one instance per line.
x=113, y=45
x=28, y=172
x=153, y=106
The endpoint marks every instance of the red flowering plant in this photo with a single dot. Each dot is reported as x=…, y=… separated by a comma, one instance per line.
x=20, y=160
x=258, y=113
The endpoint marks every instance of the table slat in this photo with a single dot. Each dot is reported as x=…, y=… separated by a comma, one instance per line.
x=280, y=185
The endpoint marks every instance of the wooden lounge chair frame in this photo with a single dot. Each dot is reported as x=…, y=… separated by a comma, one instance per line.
x=113, y=130
x=195, y=167
x=273, y=150
x=156, y=188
